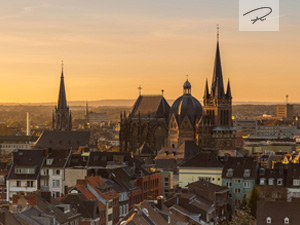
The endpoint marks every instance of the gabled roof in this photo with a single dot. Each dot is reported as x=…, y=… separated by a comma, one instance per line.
x=58, y=140
x=59, y=158
x=87, y=208
x=207, y=186
x=156, y=105
x=203, y=159
x=77, y=160
x=26, y=158
x=238, y=165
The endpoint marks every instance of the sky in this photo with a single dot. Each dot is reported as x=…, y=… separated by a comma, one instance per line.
x=110, y=47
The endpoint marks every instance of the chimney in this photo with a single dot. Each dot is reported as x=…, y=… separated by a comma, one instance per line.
x=46, y=195
x=160, y=200
x=15, y=199
x=32, y=200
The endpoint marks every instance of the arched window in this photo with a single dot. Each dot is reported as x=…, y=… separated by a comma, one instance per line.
x=269, y=220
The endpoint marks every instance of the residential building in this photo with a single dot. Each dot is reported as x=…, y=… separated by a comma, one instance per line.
x=204, y=166
x=53, y=172
x=4, y=167
x=10, y=143
x=239, y=175
x=24, y=173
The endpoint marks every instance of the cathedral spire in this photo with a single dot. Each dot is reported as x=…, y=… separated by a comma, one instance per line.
x=217, y=79
x=62, y=100
x=206, y=92
x=228, y=92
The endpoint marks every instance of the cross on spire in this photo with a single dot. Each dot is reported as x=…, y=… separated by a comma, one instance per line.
x=62, y=64
x=140, y=89
x=187, y=77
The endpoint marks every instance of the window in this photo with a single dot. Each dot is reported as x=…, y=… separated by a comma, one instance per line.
x=229, y=173
x=247, y=185
x=286, y=220
x=279, y=182
x=56, y=183
x=56, y=172
x=269, y=220
x=18, y=183
x=262, y=181
x=237, y=181
x=109, y=204
x=49, y=161
x=228, y=184
x=109, y=217
x=246, y=173
x=25, y=170
x=261, y=171
x=296, y=182
x=237, y=190
x=271, y=181
x=29, y=183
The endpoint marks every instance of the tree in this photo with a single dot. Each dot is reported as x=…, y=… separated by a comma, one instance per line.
x=254, y=197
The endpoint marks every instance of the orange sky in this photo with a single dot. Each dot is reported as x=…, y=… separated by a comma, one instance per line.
x=109, y=48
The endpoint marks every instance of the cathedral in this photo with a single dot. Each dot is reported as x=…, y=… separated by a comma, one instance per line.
x=154, y=123
x=62, y=117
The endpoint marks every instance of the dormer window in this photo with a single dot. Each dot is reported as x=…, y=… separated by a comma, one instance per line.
x=246, y=173
x=269, y=220
x=271, y=181
x=279, y=182
x=229, y=173
x=49, y=162
x=19, y=170
x=262, y=181
x=286, y=220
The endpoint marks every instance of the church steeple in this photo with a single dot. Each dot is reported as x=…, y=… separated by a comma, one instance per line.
x=206, y=92
x=217, y=85
x=62, y=99
x=63, y=118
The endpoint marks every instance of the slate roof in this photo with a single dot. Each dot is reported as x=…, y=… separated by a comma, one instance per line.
x=278, y=173
x=203, y=159
x=239, y=165
x=156, y=105
x=58, y=140
x=77, y=160
x=277, y=211
x=143, y=215
x=207, y=186
x=24, y=159
x=18, y=138
x=7, y=218
x=87, y=208
x=293, y=172
x=60, y=158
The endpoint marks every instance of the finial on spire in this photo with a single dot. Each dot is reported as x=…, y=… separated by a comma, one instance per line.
x=187, y=77
x=62, y=68
x=140, y=89
x=218, y=32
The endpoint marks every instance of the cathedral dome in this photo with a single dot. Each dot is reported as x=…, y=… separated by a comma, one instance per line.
x=186, y=105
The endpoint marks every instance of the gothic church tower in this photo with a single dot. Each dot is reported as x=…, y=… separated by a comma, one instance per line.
x=62, y=120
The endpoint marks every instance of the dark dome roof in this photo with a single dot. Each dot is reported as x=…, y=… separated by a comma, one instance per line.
x=187, y=85
x=187, y=105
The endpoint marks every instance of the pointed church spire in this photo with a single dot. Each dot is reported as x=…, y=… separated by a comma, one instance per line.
x=206, y=92
x=217, y=87
x=62, y=100
x=228, y=92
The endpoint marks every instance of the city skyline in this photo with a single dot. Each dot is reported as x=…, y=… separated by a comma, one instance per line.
x=109, y=49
